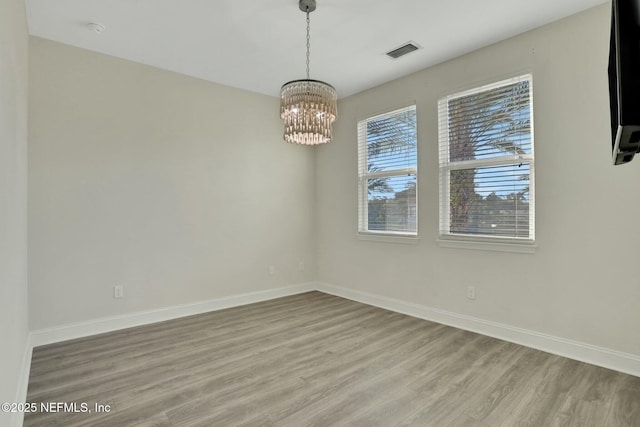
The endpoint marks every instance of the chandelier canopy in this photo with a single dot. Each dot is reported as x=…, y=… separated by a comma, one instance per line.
x=308, y=107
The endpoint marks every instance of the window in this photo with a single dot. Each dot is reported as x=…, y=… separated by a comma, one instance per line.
x=387, y=173
x=486, y=163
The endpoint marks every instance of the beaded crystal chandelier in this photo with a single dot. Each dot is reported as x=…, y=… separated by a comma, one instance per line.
x=308, y=107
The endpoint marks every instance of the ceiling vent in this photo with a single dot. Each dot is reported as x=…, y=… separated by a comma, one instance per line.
x=403, y=50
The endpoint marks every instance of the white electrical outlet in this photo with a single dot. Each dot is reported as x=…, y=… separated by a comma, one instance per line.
x=118, y=291
x=471, y=292
x=301, y=266
x=272, y=270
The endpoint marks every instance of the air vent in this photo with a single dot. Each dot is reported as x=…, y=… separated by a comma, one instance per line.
x=403, y=50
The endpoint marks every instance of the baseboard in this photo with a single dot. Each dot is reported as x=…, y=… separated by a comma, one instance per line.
x=109, y=324
x=23, y=383
x=606, y=358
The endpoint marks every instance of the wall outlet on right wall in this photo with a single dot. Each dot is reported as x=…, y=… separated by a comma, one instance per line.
x=118, y=291
x=471, y=292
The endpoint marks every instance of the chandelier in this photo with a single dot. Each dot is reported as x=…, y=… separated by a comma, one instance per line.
x=308, y=107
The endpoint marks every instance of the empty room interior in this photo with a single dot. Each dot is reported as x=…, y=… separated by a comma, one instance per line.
x=290, y=213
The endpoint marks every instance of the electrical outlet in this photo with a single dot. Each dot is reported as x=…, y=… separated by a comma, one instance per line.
x=118, y=291
x=301, y=266
x=471, y=292
x=272, y=270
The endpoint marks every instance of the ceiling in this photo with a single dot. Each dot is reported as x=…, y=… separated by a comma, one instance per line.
x=260, y=45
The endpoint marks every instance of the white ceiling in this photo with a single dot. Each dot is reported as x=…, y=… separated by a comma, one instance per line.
x=260, y=45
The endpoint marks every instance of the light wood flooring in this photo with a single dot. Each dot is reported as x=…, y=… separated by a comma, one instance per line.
x=319, y=360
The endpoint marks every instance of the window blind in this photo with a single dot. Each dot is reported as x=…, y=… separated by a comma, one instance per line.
x=486, y=161
x=387, y=173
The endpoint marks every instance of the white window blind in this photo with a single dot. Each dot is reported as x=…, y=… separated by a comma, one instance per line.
x=387, y=173
x=486, y=162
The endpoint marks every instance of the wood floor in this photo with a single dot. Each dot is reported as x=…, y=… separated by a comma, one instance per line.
x=318, y=360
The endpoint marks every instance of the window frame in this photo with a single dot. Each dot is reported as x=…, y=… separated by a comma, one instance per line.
x=445, y=166
x=364, y=233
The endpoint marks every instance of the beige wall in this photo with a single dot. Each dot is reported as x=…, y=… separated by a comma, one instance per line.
x=178, y=189
x=582, y=283
x=13, y=198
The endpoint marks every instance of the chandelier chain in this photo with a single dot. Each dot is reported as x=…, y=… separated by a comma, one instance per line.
x=308, y=41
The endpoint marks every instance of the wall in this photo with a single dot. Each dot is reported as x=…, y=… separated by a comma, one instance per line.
x=581, y=284
x=13, y=201
x=178, y=189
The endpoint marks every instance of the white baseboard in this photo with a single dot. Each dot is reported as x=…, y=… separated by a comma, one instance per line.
x=606, y=358
x=113, y=323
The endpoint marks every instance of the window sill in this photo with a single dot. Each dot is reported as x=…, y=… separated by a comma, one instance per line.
x=388, y=238
x=521, y=248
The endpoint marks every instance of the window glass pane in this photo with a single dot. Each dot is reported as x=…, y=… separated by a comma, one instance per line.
x=490, y=123
x=391, y=141
x=392, y=204
x=491, y=201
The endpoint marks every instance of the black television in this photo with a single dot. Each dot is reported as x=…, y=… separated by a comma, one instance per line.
x=624, y=80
